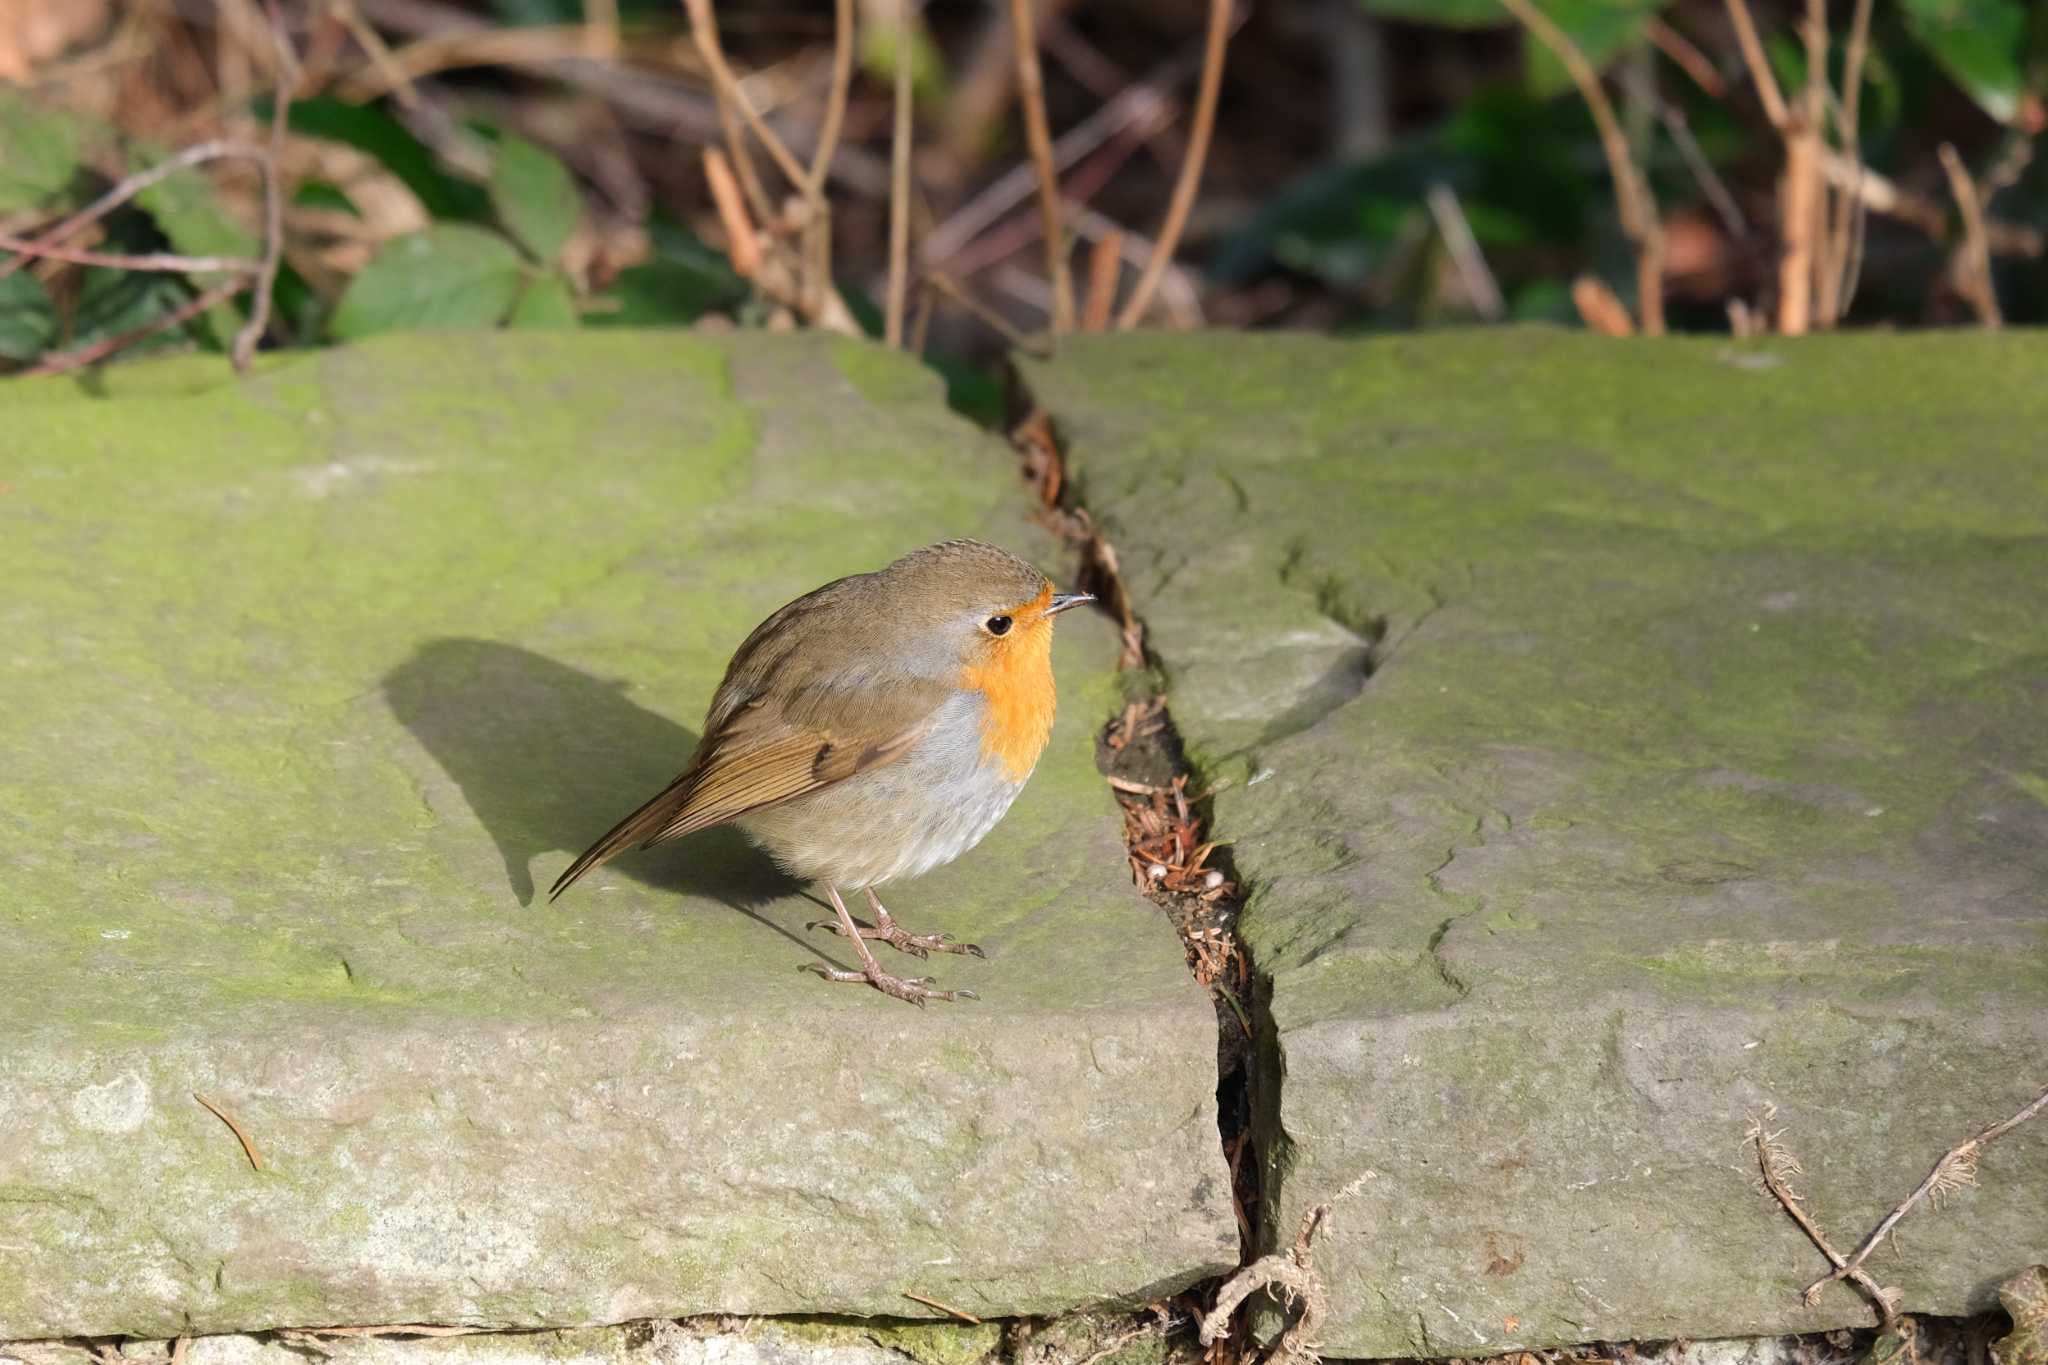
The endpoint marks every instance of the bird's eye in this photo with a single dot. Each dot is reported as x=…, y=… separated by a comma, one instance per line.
x=997, y=625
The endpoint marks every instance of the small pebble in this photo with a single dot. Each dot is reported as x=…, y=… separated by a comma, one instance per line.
x=1157, y=872
x=1213, y=879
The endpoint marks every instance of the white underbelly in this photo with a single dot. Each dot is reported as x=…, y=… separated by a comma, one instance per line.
x=899, y=820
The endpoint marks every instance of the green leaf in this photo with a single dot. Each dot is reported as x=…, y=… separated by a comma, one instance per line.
x=114, y=302
x=447, y=276
x=27, y=321
x=187, y=210
x=442, y=195
x=1980, y=44
x=535, y=197
x=1602, y=29
x=685, y=280
x=547, y=302
x=39, y=151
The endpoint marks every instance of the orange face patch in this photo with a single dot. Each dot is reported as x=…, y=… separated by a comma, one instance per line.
x=1015, y=674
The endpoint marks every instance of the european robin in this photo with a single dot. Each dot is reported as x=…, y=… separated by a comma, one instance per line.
x=873, y=729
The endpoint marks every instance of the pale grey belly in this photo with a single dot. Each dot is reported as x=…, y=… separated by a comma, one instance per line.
x=901, y=819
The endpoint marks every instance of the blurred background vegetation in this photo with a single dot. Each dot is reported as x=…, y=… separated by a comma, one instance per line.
x=1710, y=165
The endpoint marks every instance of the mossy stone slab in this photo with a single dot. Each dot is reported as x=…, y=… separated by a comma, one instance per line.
x=1623, y=740
x=312, y=678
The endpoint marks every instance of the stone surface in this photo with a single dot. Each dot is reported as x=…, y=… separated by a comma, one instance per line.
x=311, y=679
x=1624, y=739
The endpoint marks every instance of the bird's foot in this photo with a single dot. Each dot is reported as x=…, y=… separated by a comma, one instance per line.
x=916, y=989
x=886, y=930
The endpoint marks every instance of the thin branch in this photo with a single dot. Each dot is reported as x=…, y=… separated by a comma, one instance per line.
x=1631, y=193
x=835, y=103
x=1686, y=55
x=899, y=186
x=154, y=261
x=178, y=317
x=1958, y=1166
x=946, y=1308
x=704, y=29
x=1215, y=43
x=1105, y=264
x=244, y=348
x=1826, y=278
x=1850, y=216
x=1759, y=65
x=1702, y=170
x=1976, y=246
x=1038, y=133
x=128, y=188
x=1777, y=1166
x=988, y=317
x=742, y=244
x=1473, y=271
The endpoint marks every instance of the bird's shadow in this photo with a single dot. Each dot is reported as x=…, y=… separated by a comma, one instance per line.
x=550, y=757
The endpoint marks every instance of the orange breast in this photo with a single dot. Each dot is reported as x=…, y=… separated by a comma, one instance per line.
x=1016, y=677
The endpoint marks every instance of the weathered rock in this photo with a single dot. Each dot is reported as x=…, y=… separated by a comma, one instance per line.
x=1625, y=740
x=310, y=679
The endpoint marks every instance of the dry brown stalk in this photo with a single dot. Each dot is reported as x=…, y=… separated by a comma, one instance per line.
x=1976, y=256
x=1292, y=1273
x=1473, y=272
x=947, y=1308
x=994, y=321
x=742, y=245
x=30, y=248
x=177, y=317
x=244, y=348
x=1799, y=212
x=1777, y=1166
x=128, y=188
x=704, y=30
x=1215, y=43
x=835, y=103
x=1600, y=309
x=1759, y=66
x=1683, y=52
x=1638, y=211
x=1957, y=1169
x=241, y=1134
x=1038, y=134
x=1845, y=234
x=899, y=185
x=1105, y=262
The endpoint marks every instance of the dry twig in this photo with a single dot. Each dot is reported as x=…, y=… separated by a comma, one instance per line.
x=1456, y=231
x=100, y=350
x=244, y=347
x=1777, y=1166
x=899, y=185
x=163, y=261
x=1293, y=1274
x=947, y=1308
x=1976, y=256
x=241, y=1134
x=1759, y=65
x=128, y=188
x=1600, y=309
x=1956, y=1170
x=1038, y=133
x=835, y=103
x=987, y=316
x=1105, y=263
x=1846, y=232
x=1190, y=179
x=1638, y=210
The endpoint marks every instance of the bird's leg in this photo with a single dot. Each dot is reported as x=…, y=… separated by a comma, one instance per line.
x=895, y=935
x=916, y=990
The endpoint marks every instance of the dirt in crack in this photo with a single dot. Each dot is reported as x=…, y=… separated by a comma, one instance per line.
x=1172, y=859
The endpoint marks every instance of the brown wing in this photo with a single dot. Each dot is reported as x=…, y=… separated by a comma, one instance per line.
x=760, y=757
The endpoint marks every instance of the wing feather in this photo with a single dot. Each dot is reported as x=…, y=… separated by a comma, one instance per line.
x=760, y=757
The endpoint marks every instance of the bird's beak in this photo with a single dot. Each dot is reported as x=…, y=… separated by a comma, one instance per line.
x=1062, y=600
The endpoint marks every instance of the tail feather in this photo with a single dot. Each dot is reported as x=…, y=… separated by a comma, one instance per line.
x=643, y=826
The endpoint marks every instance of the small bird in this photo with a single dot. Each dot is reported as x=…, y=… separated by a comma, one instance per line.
x=873, y=729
